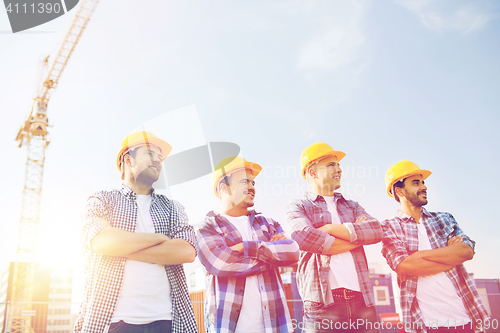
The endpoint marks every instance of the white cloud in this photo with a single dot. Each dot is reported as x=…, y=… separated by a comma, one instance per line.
x=340, y=41
x=450, y=15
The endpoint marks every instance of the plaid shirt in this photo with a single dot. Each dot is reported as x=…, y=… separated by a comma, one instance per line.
x=304, y=217
x=401, y=240
x=227, y=271
x=104, y=274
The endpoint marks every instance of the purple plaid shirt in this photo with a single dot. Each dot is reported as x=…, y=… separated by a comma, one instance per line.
x=104, y=274
x=227, y=271
x=304, y=217
x=401, y=240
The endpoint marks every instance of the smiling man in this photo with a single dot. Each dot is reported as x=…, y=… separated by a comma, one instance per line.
x=135, y=242
x=427, y=251
x=332, y=276
x=242, y=251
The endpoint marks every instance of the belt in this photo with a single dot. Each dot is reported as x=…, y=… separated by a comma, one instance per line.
x=345, y=293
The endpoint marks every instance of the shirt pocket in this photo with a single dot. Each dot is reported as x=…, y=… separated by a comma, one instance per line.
x=321, y=219
x=445, y=234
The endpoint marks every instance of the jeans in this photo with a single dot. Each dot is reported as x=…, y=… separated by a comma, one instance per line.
x=159, y=326
x=346, y=315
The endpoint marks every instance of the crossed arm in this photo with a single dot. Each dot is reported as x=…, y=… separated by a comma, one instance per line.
x=320, y=240
x=148, y=247
x=246, y=258
x=240, y=246
x=428, y=262
x=342, y=236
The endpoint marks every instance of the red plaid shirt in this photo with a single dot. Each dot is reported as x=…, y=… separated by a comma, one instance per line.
x=401, y=240
x=227, y=271
x=304, y=217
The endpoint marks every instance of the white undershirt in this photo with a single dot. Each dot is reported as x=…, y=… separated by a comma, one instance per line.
x=342, y=268
x=436, y=295
x=145, y=295
x=251, y=319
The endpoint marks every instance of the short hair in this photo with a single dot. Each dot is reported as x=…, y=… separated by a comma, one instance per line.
x=399, y=184
x=314, y=166
x=225, y=180
x=131, y=152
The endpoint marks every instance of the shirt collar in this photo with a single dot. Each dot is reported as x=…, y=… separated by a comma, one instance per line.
x=130, y=194
x=406, y=217
x=214, y=214
x=314, y=197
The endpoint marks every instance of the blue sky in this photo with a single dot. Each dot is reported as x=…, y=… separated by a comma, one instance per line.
x=382, y=81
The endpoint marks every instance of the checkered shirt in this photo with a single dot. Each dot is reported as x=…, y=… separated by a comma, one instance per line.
x=227, y=271
x=104, y=274
x=401, y=240
x=305, y=216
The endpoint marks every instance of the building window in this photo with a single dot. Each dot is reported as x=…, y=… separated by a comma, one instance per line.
x=381, y=295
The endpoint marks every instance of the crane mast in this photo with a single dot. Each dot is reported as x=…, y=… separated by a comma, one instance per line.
x=33, y=134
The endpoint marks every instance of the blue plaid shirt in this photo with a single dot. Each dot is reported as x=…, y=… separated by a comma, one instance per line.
x=104, y=274
x=308, y=214
x=227, y=271
x=401, y=240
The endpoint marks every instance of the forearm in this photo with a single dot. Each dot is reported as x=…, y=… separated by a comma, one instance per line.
x=283, y=252
x=341, y=246
x=117, y=242
x=337, y=230
x=170, y=252
x=418, y=266
x=222, y=260
x=454, y=254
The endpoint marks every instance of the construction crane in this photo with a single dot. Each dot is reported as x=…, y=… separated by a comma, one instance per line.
x=33, y=134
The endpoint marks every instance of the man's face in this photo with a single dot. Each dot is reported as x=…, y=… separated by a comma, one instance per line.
x=415, y=191
x=241, y=188
x=328, y=173
x=146, y=165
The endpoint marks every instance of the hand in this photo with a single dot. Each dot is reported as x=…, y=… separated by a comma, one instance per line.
x=361, y=219
x=102, y=222
x=277, y=237
x=238, y=247
x=401, y=277
x=456, y=239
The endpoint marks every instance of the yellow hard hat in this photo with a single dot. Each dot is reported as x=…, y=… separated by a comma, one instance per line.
x=228, y=166
x=402, y=170
x=316, y=152
x=137, y=139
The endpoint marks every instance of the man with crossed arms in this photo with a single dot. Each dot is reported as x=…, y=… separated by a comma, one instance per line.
x=427, y=250
x=332, y=275
x=135, y=242
x=242, y=251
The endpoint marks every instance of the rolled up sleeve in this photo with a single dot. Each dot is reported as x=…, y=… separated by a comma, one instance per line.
x=393, y=249
x=181, y=227
x=95, y=209
x=307, y=237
